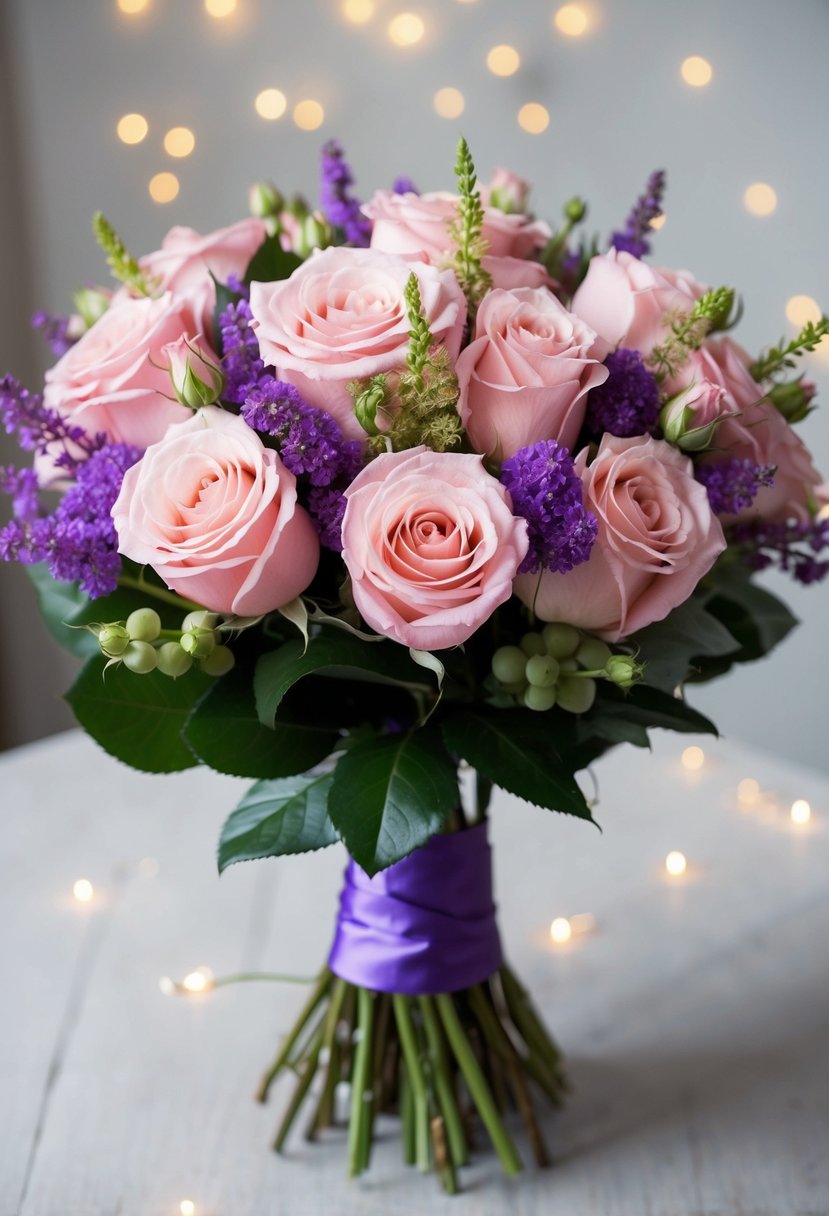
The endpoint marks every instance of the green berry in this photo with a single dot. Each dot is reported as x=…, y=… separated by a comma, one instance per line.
x=560, y=640
x=508, y=665
x=539, y=699
x=140, y=657
x=576, y=695
x=113, y=640
x=198, y=642
x=172, y=660
x=533, y=643
x=201, y=619
x=566, y=665
x=623, y=670
x=218, y=662
x=144, y=625
x=592, y=654
x=542, y=671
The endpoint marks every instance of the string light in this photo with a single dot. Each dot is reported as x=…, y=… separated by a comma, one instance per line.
x=748, y=792
x=561, y=930
x=179, y=141
x=406, y=29
x=83, y=891
x=696, y=71
x=571, y=19
x=533, y=118
x=200, y=980
x=801, y=309
x=219, y=8
x=308, y=114
x=270, y=104
x=449, y=102
x=163, y=187
x=187, y=1207
x=760, y=198
x=693, y=759
x=132, y=128
x=503, y=60
x=358, y=12
x=166, y=985
x=676, y=863
x=658, y=221
x=801, y=812
x=132, y=7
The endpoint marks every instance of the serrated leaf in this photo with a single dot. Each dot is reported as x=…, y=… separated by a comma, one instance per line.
x=641, y=708
x=138, y=719
x=271, y=262
x=668, y=648
x=517, y=750
x=276, y=818
x=390, y=794
x=758, y=620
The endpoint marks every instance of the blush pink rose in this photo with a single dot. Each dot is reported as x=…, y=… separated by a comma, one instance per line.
x=629, y=303
x=657, y=537
x=509, y=273
x=341, y=316
x=417, y=226
x=526, y=375
x=431, y=545
x=115, y=380
x=187, y=260
x=215, y=513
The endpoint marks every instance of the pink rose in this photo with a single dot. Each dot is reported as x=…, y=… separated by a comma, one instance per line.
x=417, y=226
x=114, y=379
x=507, y=191
x=341, y=316
x=526, y=375
x=431, y=545
x=215, y=513
x=187, y=260
x=509, y=273
x=629, y=302
x=690, y=419
x=657, y=537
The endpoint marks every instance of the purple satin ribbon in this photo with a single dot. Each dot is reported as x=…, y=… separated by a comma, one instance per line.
x=425, y=925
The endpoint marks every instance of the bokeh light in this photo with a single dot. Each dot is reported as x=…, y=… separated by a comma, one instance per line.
x=358, y=12
x=220, y=8
x=696, y=71
x=179, y=141
x=308, y=114
x=693, y=758
x=132, y=7
x=802, y=309
x=132, y=128
x=572, y=20
x=270, y=104
x=533, y=118
x=83, y=891
x=406, y=29
x=449, y=102
x=503, y=60
x=801, y=812
x=164, y=187
x=676, y=863
x=760, y=198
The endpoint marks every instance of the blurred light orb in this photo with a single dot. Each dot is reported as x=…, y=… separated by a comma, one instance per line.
x=358, y=12
x=131, y=7
x=406, y=29
x=270, y=104
x=187, y=1207
x=693, y=758
x=696, y=71
x=801, y=812
x=760, y=198
x=658, y=221
x=179, y=141
x=200, y=980
x=308, y=114
x=219, y=8
x=449, y=102
x=503, y=60
x=164, y=187
x=83, y=891
x=571, y=19
x=534, y=118
x=802, y=309
x=748, y=791
x=561, y=930
x=132, y=128
x=676, y=863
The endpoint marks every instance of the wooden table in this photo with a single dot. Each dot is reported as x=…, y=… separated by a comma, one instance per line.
x=695, y=1015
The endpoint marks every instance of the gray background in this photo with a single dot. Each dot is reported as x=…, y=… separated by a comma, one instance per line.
x=618, y=108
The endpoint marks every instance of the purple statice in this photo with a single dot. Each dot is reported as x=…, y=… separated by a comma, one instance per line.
x=628, y=402
x=339, y=207
x=238, y=286
x=56, y=331
x=790, y=545
x=241, y=361
x=547, y=491
x=633, y=237
x=22, y=487
x=326, y=506
x=732, y=485
x=42, y=430
x=404, y=185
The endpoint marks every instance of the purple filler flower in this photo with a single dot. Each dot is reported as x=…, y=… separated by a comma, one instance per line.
x=55, y=329
x=404, y=185
x=791, y=545
x=547, y=491
x=733, y=485
x=42, y=430
x=628, y=402
x=633, y=238
x=241, y=361
x=339, y=207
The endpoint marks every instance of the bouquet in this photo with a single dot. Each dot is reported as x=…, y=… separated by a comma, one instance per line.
x=382, y=506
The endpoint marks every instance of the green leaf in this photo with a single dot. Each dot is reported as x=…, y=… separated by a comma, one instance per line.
x=390, y=794
x=137, y=719
x=277, y=671
x=276, y=818
x=644, y=707
x=668, y=648
x=64, y=604
x=516, y=749
x=224, y=731
x=757, y=619
x=271, y=262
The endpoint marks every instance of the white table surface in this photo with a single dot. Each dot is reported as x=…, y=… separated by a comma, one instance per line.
x=695, y=1016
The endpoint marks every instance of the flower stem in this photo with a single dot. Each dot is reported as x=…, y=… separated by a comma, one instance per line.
x=443, y=1083
x=158, y=593
x=359, y=1127
x=408, y=1042
x=303, y=1085
x=322, y=986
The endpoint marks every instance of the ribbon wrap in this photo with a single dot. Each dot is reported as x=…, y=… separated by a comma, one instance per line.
x=423, y=926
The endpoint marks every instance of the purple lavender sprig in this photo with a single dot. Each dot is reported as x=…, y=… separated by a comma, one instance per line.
x=732, y=485
x=241, y=362
x=44, y=431
x=628, y=402
x=338, y=206
x=790, y=545
x=633, y=237
x=547, y=491
x=55, y=329
x=404, y=185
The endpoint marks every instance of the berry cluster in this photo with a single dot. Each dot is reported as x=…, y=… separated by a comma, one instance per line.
x=560, y=666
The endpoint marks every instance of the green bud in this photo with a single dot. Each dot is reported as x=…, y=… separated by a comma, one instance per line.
x=576, y=695
x=624, y=670
x=298, y=207
x=560, y=640
x=144, y=625
x=140, y=657
x=575, y=209
x=540, y=699
x=368, y=402
x=532, y=643
x=218, y=662
x=793, y=399
x=172, y=661
x=91, y=303
x=200, y=619
x=198, y=642
x=592, y=654
x=113, y=640
x=264, y=200
x=197, y=380
x=542, y=670
x=508, y=665
x=315, y=233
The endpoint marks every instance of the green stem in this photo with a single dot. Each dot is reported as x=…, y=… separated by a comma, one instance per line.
x=324, y=1112
x=359, y=1128
x=407, y=1116
x=477, y=1085
x=408, y=1043
x=159, y=593
x=443, y=1083
x=483, y=793
x=321, y=988
x=301, y=1089
x=270, y=977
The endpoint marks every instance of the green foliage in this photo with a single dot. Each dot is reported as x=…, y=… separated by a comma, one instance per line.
x=672, y=648
x=271, y=263
x=757, y=620
x=389, y=794
x=466, y=231
x=276, y=818
x=123, y=265
x=619, y=717
x=785, y=354
x=690, y=329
